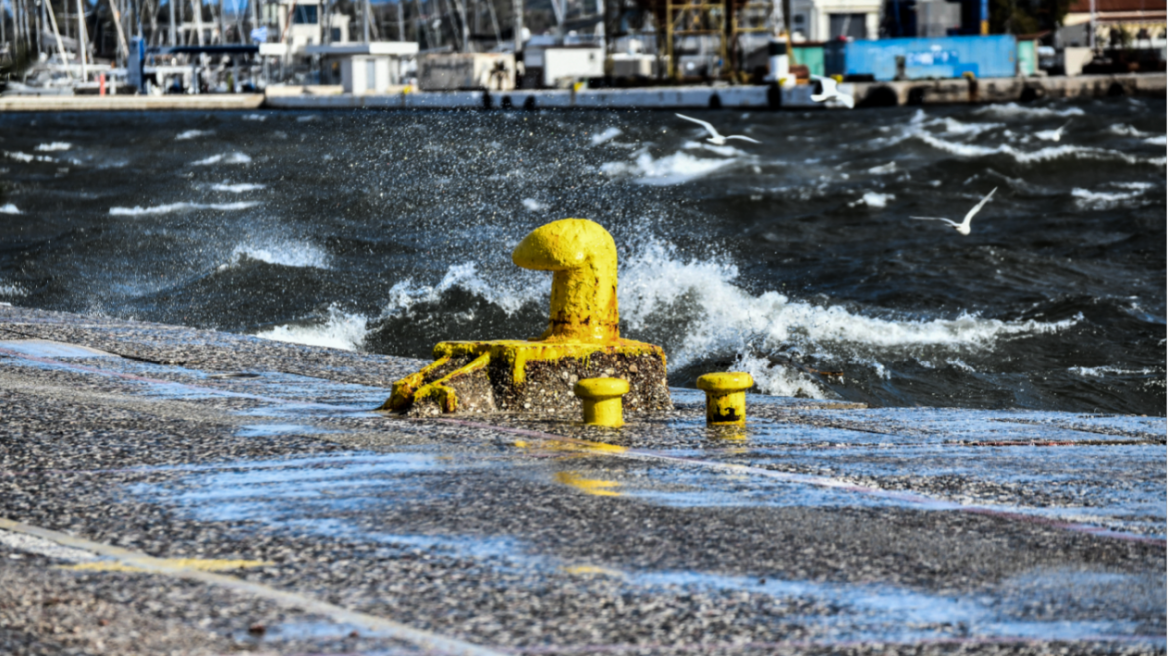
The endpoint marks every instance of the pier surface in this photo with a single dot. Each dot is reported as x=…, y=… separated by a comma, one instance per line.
x=171, y=490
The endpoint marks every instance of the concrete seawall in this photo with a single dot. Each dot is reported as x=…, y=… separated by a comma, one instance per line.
x=867, y=94
x=209, y=101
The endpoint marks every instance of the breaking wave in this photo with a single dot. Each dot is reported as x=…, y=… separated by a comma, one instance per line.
x=283, y=253
x=236, y=188
x=1014, y=110
x=873, y=199
x=233, y=158
x=9, y=208
x=179, y=207
x=1098, y=200
x=669, y=170
x=1041, y=155
x=54, y=146
x=192, y=134
x=508, y=295
x=12, y=289
x=696, y=310
x=25, y=157
x=607, y=135
x=338, y=329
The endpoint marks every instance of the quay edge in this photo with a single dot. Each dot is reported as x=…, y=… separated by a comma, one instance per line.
x=867, y=94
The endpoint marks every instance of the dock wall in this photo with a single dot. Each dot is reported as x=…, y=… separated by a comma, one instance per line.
x=207, y=101
x=867, y=94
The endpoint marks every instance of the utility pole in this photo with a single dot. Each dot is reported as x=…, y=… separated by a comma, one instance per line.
x=401, y=21
x=365, y=20
x=173, y=28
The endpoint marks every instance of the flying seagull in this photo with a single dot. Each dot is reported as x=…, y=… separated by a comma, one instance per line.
x=831, y=90
x=1052, y=135
x=715, y=138
x=962, y=227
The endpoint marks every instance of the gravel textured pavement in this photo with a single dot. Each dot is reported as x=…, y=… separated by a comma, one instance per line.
x=165, y=490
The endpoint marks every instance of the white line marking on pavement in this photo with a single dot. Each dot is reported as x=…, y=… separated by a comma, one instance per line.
x=387, y=628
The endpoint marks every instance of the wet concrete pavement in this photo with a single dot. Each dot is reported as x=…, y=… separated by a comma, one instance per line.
x=167, y=490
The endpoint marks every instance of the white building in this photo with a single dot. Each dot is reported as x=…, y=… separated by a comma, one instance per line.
x=825, y=20
x=303, y=23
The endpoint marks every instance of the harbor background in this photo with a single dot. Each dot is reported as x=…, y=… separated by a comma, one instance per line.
x=794, y=259
x=778, y=48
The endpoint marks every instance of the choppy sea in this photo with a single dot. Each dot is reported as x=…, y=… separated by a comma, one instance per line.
x=795, y=260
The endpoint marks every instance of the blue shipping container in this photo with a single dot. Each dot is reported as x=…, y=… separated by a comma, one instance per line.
x=924, y=58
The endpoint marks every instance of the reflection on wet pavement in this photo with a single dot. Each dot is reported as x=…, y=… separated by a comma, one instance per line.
x=399, y=485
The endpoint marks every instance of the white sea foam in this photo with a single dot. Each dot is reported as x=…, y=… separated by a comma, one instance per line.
x=724, y=319
x=724, y=151
x=284, y=253
x=1161, y=140
x=236, y=188
x=1135, y=186
x=669, y=170
x=883, y=168
x=1098, y=200
x=1099, y=372
x=694, y=308
x=953, y=126
x=873, y=199
x=533, y=205
x=255, y=117
x=54, y=146
x=192, y=134
x=339, y=330
x=1124, y=130
x=180, y=207
x=9, y=208
x=1041, y=155
x=509, y=295
x=233, y=158
x=607, y=135
x=1014, y=110
x=777, y=381
x=25, y=157
x=12, y=289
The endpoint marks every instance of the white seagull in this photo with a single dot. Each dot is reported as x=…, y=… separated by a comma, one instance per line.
x=1052, y=135
x=715, y=138
x=962, y=227
x=831, y=90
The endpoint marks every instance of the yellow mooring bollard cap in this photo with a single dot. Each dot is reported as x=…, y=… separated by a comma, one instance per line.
x=726, y=382
x=601, y=388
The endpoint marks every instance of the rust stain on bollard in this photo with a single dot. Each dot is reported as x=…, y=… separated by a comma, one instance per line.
x=725, y=397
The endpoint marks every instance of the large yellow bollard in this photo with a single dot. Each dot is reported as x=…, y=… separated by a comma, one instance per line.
x=725, y=397
x=602, y=400
x=582, y=256
x=580, y=340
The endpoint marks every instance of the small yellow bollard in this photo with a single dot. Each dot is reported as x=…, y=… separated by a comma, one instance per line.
x=602, y=400
x=725, y=397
